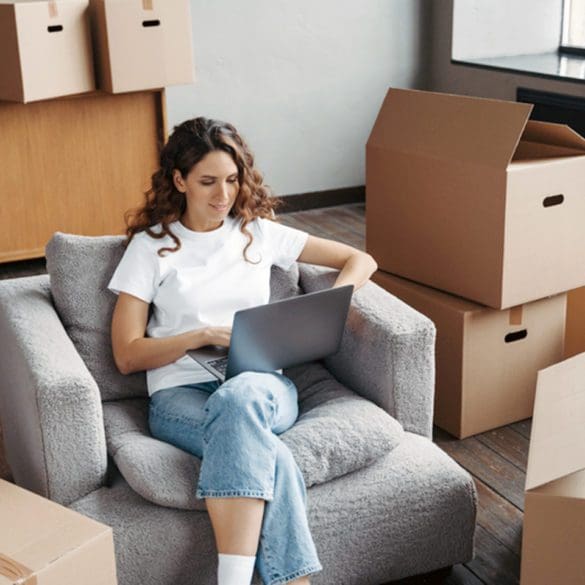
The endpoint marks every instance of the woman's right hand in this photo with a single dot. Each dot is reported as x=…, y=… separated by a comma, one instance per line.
x=134, y=351
x=218, y=335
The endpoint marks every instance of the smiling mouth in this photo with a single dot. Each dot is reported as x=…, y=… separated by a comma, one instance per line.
x=220, y=207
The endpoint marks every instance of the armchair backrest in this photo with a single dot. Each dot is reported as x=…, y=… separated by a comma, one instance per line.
x=80, y=268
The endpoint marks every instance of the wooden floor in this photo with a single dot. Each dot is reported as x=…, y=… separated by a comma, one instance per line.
x=496, y=459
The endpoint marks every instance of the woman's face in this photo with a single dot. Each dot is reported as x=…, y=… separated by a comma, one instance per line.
x=210, y=188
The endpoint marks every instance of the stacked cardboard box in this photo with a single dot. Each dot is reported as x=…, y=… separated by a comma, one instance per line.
x=486, y=360
x=575, y=334
x=142, y=44
x=48, y=51
x=469, y=197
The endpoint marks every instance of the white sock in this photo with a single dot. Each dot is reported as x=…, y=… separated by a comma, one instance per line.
x=235, y=569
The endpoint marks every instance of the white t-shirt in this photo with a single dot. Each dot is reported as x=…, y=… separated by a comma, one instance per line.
x=204, y=283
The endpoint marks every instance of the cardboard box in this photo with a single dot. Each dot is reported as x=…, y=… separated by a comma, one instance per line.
x=575, y=335
x=554, y=512
x=486, y=359
x=142, y=44
x=46, y=49
x=468, y=196
x=44, y=543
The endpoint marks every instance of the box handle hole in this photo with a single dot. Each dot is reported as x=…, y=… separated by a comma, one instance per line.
x=55, y=28
x=516, y=336
x=553, y=200
x=151, y=23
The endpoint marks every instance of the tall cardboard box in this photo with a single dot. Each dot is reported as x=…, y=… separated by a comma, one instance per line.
x=575, y=334
x=142, y=44
x=486, y=359
x=46, y=49
x=44, y=543
x=469, y=196
x=553, y=540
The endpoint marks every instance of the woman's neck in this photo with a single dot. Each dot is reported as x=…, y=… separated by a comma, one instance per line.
x=199, y=226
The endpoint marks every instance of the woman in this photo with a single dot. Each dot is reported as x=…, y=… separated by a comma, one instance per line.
x=199, y=249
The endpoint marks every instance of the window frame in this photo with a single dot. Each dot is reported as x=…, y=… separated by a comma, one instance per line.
x=565, y=48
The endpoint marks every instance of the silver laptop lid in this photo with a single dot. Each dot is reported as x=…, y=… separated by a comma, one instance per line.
x=288, y=332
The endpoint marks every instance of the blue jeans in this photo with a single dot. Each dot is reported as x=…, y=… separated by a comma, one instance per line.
x=233, y=428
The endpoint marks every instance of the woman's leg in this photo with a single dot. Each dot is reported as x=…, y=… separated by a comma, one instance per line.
x=236, y=524
x=176, y=415
x=286, y=550
x=245, y=465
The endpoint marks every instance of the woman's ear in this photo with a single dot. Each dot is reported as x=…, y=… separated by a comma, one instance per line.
x=178, y=181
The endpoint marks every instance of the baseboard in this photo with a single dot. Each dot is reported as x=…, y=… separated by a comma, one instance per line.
x=317, y=199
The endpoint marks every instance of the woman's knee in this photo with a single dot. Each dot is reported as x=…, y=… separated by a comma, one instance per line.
x=261, y=397
x=240, y=392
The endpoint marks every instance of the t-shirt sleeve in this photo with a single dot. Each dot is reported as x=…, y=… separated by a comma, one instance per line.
x=137, y=272
x=284, y=243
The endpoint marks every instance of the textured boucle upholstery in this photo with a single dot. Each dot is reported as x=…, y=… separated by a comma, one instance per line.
x=336, y=433
x=394, y=347
x=411, y=511
x=49, y=402
x=80, y=268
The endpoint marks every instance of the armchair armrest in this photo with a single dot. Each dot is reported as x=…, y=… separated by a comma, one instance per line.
x=50, y=404
x=387, y=354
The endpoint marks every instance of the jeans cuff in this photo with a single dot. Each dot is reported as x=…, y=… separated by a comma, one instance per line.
x=262, y=494
x=314, y=568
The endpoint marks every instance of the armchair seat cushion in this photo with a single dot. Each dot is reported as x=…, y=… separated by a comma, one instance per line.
x=337, y=432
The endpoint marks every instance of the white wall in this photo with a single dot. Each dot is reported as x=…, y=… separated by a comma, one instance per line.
x=505, y=27
x=302, y=80
x=461, y=79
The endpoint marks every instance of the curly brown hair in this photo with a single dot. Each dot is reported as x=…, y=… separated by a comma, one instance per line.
x=189, y=143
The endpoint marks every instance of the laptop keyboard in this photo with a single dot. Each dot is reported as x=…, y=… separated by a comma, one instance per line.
x=220, y=364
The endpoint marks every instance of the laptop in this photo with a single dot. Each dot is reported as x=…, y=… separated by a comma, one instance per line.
x=280, y=334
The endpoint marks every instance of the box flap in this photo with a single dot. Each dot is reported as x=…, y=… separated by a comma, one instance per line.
x=558, y=425
x=556, y=134
x=570, y=486
x=458, y=128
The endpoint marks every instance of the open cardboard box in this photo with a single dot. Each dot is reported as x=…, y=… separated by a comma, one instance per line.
x=44, y=543
x=553, y=541
x=142, y=44
x=486, y=359
x=469, y=196
x=45, y=48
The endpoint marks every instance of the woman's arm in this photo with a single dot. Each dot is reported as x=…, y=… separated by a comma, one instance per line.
x=355, y=266
x=133, y=352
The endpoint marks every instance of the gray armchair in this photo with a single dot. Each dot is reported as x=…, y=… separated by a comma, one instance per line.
x=383, y=501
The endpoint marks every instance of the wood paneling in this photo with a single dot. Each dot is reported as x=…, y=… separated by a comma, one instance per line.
x=75, y=165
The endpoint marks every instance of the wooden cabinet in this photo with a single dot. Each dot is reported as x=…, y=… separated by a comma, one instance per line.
x=75, y=164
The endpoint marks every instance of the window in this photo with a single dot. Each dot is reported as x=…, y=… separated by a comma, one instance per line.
x=573, y=36
x=545, y=38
